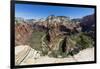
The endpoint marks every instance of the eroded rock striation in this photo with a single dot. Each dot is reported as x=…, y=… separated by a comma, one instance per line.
x=23, y=32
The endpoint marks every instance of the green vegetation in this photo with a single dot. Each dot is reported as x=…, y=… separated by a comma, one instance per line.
x=53, y=54
x=45, y=51
x=35, y=40
x=83, y=40
x=73, y=44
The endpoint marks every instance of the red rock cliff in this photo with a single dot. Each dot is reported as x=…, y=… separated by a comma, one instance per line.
x=22, y=33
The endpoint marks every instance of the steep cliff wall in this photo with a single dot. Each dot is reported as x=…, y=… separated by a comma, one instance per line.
x=23, y=32
x=88, y=22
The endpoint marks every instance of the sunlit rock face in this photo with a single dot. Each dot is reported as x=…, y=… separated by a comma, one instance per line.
x=60, y=25
x=24, y=54
x=22, y=33
x=62, y=22
x=58, y=19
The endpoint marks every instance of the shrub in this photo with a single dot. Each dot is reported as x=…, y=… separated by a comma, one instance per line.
x=54, y=54
x=85, y=41
x=45, y=51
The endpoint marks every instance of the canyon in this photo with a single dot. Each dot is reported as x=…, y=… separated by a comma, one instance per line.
x=53, y=37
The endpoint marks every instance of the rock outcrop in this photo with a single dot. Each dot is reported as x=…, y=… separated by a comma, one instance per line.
x=23, y=32
x=88, y=22
x=24, y=53
x=59, y=26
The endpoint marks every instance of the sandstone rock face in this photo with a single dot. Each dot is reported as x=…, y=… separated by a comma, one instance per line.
x=24, y=53
x=57, y=26
x=22, y=33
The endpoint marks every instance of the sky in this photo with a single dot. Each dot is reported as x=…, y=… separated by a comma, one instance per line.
x=30, y=11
